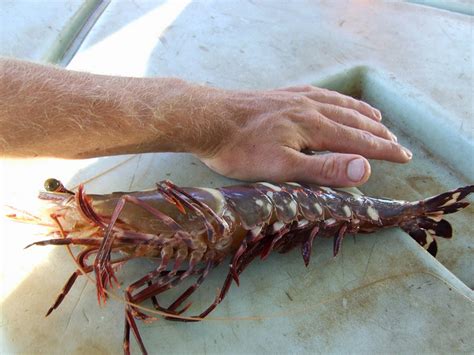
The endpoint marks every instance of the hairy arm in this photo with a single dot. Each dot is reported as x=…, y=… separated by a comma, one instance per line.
x=47, y=111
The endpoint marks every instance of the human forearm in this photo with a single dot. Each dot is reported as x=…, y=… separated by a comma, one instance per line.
x=45, y=111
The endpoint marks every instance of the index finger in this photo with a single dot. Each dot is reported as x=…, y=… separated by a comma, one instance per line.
x=344, y=139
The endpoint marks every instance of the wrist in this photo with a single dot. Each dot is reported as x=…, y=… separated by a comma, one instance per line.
x=193, y=118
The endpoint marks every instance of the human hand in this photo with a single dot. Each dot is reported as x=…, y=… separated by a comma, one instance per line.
x=268, y=130
x=257, y=135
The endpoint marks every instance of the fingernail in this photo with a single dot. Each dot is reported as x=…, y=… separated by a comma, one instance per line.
x=394, y=137
x=356, y=169
x=407, y=152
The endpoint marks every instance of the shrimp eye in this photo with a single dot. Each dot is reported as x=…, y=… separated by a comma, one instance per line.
x=52, y=185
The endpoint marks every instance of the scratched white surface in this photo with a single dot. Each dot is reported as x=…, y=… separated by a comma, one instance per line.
x=41, y=30
x=383, y=293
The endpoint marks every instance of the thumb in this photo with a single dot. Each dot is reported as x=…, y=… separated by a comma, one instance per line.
x=332, y=169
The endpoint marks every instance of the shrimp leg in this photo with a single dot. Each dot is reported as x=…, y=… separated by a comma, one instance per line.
x=102, y=261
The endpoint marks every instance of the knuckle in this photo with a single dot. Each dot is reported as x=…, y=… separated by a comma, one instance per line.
x=334, y=110
x=327, y=95
x=327, y=92
x=337, y=131
x=297, y=108
x=369, y=139
x=329, y=169
x=395, y=148
x=336, y=114
x=360, y=105
x=340, y=100
x=369, y=110
x=377, y=127
x=355, y=114
x=289, y=88
x=307, y=88
x=312, y=123
x=376, y=112
x=298, y=100
x=390, y=150
x=385, y=131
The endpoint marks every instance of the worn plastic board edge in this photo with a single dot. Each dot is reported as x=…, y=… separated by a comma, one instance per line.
x=346, y=80
x=447, y=5
x=74, y=32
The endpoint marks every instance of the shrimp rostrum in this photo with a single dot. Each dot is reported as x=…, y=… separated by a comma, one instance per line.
x=189, y=231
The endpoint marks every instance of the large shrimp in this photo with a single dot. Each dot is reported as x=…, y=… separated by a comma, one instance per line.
x=192, y=230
